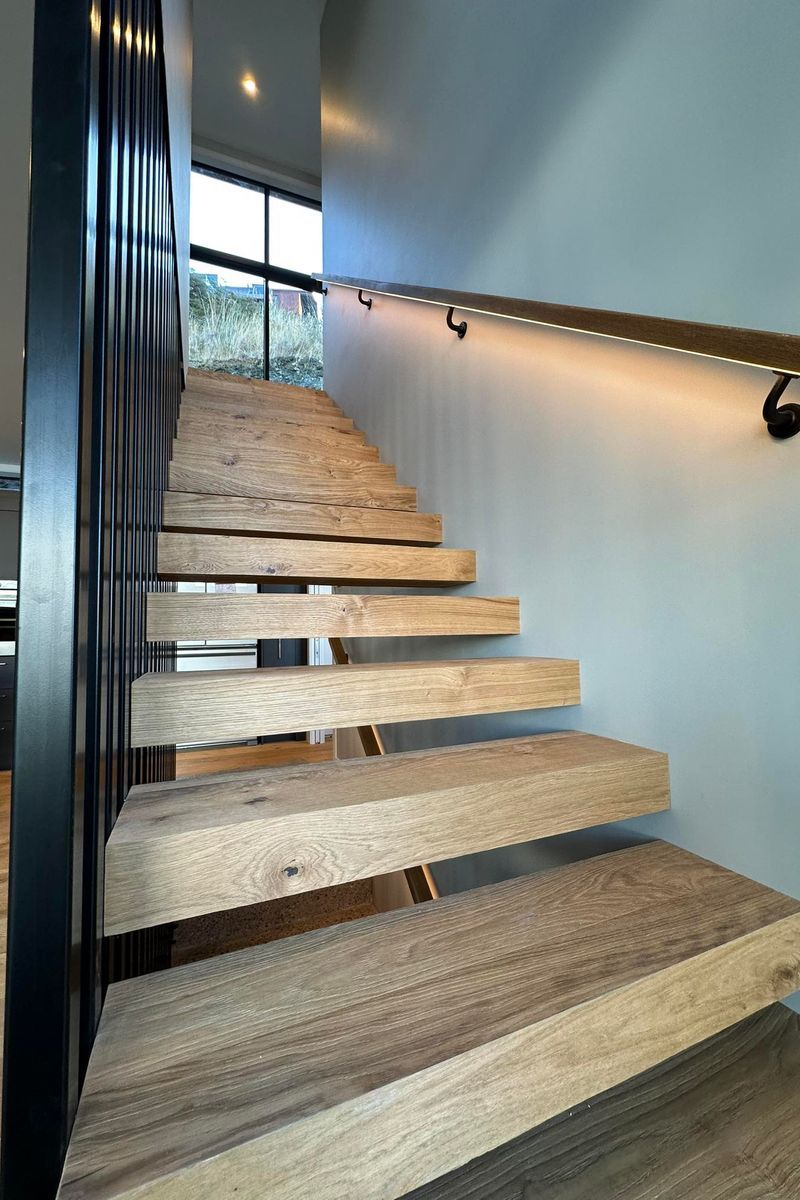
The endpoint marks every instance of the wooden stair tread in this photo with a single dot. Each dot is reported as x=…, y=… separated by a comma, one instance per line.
x=270, y=457
x=192, y=706
x=261, y=406
x=211, y=556
x=178, y=616
x=261, y=400
x=199, y=432
x=196, y=377
x=197, y=511
x=716, y=1122
x=259, y=391
x=246, y=408
x=248, y=479
x=294, y=465
x=186, y=848
x=364, y=1060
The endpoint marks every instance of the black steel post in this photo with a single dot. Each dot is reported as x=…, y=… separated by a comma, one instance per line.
x=102, y=387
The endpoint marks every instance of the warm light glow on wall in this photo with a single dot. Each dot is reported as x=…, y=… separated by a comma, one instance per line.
x=250, y=86
x=339, y=122
x=778, y=353
x=367, y=287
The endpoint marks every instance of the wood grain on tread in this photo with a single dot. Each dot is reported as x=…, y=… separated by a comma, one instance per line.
x=262, y=393
x=182, y=849
x=416, y=882
x=198, y=511
x=217, y=556
x=717, y=1122
x=203, y=378
x=302, y=459
x=185, y=706
x=359, y=1062
x=198, y=431
x=247, y=479
x=211, y=759
x=294, y=465
x=263, y=408
x=178, y=616
x=254, y=409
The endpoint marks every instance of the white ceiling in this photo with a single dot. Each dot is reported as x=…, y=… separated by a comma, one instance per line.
x=277, y=42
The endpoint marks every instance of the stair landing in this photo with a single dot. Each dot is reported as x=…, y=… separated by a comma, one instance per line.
x=360, y=1062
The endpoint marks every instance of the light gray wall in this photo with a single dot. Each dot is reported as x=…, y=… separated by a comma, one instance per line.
x=630, y=496
x=637, y=155
x=16, y=65
x=276, y=135
x=177, y=25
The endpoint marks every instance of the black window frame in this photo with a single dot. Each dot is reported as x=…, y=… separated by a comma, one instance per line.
x=265, y=270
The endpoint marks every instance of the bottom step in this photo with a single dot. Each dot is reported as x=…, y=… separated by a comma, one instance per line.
x=359, y=1062
x=717, y=1122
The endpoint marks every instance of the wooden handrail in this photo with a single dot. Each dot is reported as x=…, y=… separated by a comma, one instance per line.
x=420, y=881
x=775, y=351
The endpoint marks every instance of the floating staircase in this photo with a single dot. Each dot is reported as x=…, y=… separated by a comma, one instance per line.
x=365, y=1060
x=222, y=705
x=221, y=557
x=196, y=846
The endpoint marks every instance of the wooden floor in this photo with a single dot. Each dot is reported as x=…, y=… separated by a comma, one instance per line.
x=189, y=763
x=719, y=1122
x=5, y=814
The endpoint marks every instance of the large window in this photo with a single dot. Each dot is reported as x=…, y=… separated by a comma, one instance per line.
x=254, y=308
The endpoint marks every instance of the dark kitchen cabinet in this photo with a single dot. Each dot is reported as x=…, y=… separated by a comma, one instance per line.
x=6, y=710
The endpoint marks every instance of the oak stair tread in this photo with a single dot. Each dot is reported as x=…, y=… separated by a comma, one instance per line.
x=210, y=556
x=288, y=483
x=182, y=849
x=337, y=464
x=178, y=616
x=717, y=1122
x=260, y=405
x=367, y=1059
x=257, y=388
x=259, y=399
x=294, y=465
x=198, y=706
x=367, y=484
x=269, y=516
x=199, y=432
x=245, y=407
x=197, y=376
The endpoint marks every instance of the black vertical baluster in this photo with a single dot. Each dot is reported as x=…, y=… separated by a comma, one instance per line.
x=44, y=988
x=103, y=380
